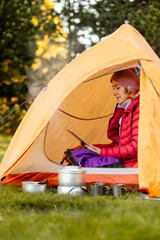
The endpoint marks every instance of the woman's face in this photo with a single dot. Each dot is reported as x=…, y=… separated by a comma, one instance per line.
x=119, y=92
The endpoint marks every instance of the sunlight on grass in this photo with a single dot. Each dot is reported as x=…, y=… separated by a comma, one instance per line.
x=52, y=216
x=4, y=142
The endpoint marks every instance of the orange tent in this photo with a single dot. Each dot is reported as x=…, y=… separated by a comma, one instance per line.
x=80, y=98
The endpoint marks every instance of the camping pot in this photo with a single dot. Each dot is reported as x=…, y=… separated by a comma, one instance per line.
x=80, y=191
x=33, y=187
x=72, y=176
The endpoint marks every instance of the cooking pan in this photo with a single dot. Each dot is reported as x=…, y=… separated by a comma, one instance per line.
x=34, y=187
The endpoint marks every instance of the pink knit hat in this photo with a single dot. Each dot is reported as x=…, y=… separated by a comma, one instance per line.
x=128, y=79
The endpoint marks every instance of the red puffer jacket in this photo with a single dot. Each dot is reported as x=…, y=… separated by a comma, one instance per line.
x=125, y=145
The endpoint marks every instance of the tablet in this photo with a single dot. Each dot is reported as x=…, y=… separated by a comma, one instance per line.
x=76, y=136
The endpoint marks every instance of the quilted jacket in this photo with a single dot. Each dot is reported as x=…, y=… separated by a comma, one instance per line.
x=124, y=143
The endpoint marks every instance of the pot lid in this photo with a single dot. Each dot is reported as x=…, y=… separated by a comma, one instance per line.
x=30, y=183
x=72, y=169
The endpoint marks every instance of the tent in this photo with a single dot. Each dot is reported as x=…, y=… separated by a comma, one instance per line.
x=80, y=98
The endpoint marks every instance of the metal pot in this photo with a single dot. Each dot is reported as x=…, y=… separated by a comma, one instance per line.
x=81, y=191
x=33, y=187
x=72, y=176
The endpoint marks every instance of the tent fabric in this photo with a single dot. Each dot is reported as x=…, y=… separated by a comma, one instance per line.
x=127, y=176
x=149, y=130
x=80, y=98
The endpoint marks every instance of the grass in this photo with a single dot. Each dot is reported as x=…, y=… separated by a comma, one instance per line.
x=49, y=216
x=52, y=216
x=4, y=142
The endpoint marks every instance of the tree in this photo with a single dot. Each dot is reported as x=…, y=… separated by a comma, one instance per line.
x=143, y=15
x=22, y=24
x=77, y=17
x=50, y=59
x=100, y=18
x=147, y=21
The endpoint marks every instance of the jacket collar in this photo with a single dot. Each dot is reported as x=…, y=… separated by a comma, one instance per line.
x=128, y=105
x=133, y=104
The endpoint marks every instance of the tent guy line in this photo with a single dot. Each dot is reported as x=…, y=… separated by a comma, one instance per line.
x=17, y=108
x=35, y=95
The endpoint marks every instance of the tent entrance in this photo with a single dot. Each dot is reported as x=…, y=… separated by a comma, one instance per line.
x=86, y=111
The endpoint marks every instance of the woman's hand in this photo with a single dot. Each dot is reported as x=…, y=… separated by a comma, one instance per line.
x=93, y=148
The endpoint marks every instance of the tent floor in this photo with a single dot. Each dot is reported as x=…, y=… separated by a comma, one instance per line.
x=127, y=176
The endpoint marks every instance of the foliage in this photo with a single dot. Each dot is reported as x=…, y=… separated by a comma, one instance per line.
x=101, y=18
x=72, y=12
x=22, y=24
x=50, y=58
x=148, y=22
x=4, y=142
x=143, y=15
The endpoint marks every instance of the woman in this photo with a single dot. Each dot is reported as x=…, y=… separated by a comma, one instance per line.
x=122, y=129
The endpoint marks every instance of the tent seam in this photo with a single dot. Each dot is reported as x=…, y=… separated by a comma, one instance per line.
x=150, y=79
x=89, y=119
x=44, y=146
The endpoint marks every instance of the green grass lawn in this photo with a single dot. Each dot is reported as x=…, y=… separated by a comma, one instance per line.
x=52, y=216
x=4, y=142
x=49, y=216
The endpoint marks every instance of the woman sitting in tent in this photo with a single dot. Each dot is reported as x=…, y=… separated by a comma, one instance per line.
x=122, y=129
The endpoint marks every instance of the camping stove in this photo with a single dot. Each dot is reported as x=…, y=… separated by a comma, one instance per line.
x=72, y=180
